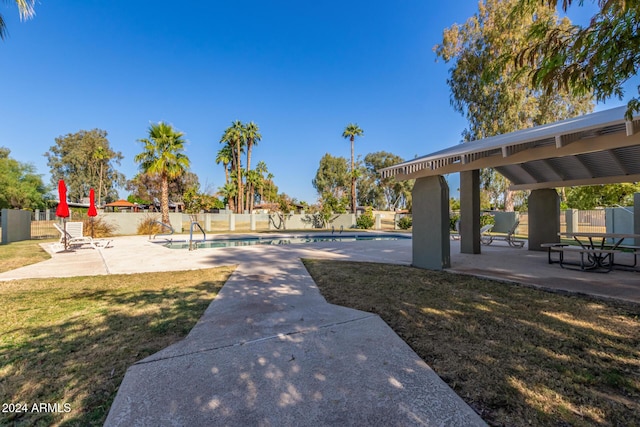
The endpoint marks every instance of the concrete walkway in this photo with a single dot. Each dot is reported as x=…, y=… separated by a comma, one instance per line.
x=270, y=350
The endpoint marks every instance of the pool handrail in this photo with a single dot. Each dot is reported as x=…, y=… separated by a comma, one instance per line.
x=191, y=241
x=162, y=224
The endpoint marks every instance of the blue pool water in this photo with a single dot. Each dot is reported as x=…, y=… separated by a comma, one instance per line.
x=289, y=240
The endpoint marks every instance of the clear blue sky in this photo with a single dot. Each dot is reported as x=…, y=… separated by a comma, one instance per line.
x=301, y=70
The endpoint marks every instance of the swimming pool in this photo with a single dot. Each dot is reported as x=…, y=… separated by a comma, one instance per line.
x=280, y=240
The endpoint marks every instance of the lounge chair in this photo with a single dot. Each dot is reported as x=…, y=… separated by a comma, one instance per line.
x=74, y=241
x=487, y=238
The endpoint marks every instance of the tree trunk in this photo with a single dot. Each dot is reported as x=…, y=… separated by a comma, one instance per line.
x=353, y=179
x=164, y=203
x=508, y=200
x=249, y=146
x=100, y=188
x=240, y=203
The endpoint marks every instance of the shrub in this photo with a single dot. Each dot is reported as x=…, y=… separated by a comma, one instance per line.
x=486, y=219
x=149, y=225
x=405, y=222
x=453, y=218
x=365, y=221
x=97, y=227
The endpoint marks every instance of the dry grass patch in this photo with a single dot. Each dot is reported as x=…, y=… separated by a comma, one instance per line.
x=71, y=340
x=19, y=254
x=519, y=356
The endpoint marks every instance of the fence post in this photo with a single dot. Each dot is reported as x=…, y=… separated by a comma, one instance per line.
x=571, y=218
x=232, y=222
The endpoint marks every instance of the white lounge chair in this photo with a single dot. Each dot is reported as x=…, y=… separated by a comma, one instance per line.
x=74, y=241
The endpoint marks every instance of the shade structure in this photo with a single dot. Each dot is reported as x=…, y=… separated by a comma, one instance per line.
x=120, y=204
x=92, y=204
x=63, y=208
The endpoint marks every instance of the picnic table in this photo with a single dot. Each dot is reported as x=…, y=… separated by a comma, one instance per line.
x=597, y=250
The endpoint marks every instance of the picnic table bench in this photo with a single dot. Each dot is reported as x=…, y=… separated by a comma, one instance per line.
x=597, y=259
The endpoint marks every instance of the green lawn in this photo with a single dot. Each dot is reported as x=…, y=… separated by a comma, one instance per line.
x=19, y=254
x=519, y=356
x=70, y=341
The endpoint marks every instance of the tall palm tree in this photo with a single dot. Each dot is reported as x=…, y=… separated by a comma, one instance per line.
x=350, y=132
x=163, y=155
x=254, y=179
x=25, y=7
x=234, y=136
x=252, y=136
x=225, y=156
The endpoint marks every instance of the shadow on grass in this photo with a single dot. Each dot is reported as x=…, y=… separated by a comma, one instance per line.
x=79, y=354
x=517, y=355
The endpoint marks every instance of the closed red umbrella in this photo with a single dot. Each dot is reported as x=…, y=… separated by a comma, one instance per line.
x=63, y=208
x=92, y=204
x=92, y=208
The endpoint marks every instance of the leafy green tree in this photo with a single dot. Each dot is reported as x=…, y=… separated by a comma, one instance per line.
x=593, y=196
x=20, y=186
x=85, y=160
x=331, y=182
x=196, y=201
x=146, y=188
x=163, y=155
x=382, y=193
x=350, y=132
x=597, y=58
x=498, y=100
x=26, y=10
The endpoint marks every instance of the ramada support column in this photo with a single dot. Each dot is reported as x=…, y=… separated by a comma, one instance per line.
x=544, y=218
x=431, y=248
x=470, y=212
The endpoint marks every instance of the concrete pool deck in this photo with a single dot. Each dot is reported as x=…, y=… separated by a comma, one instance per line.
x=270, y=350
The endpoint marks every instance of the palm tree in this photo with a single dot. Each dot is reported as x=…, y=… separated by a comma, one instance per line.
x=254, y=179
x=163, y=155
x=225, y=156
x=261, y=168
x=234, y=136
x=229, y=192
x=252, y=136
x=351, y=131
x=25, y=7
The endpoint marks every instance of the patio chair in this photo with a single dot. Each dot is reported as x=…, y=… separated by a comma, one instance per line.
x=488, y=238
x=75, y=241
x=485, y=237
